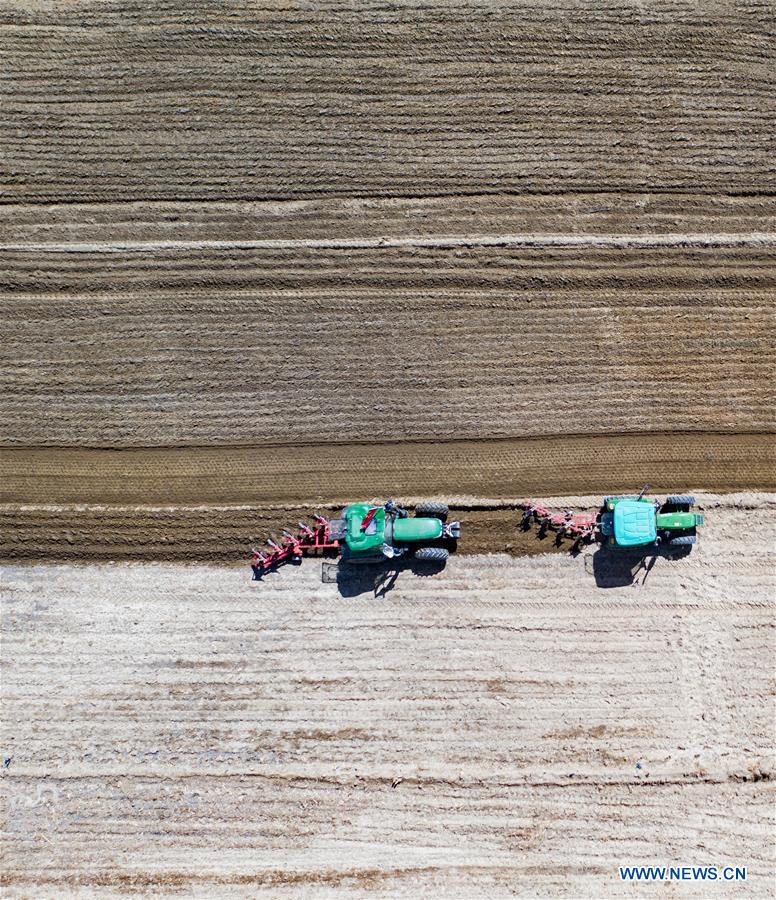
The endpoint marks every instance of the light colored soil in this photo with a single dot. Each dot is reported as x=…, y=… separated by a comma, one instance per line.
x=505, y=727
x=587, y=216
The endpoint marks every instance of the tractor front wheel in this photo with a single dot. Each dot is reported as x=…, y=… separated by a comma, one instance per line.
x=432, y=510
x=432, y=554
x=684, y=540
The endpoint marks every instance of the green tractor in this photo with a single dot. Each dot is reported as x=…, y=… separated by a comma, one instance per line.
x=640, y=522
x=369, y=533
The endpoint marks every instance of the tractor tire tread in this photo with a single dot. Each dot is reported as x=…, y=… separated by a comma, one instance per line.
x=432, y=554
x=432, y=510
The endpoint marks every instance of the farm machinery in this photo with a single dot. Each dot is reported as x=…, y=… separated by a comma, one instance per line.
x=365, y=533
x=627, y=522
x=372, y=533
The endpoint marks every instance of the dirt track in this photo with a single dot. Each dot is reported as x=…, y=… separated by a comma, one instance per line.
x=183, y=729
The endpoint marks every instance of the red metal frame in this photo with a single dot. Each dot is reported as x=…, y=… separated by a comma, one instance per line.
x=368, y=518
x=580, y=526
x=292, y=547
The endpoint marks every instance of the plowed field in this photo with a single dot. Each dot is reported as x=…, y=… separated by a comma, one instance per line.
x=325, y=227
x=261, y=258
x=213, y=504
x=482, y=334
x=138, y=101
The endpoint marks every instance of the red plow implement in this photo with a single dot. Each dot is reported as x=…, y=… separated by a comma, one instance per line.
x=313, y=538
x=581, y=527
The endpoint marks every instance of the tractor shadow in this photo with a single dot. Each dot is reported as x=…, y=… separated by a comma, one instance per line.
x=621, y=568
x=378, y=579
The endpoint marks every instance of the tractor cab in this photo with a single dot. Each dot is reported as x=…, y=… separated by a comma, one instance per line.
x=364, y=533
x=631, y=523
x=643, y=522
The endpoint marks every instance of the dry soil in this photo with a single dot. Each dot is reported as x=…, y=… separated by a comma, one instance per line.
x=261, y=257
x=506, y=726
x=124, y=101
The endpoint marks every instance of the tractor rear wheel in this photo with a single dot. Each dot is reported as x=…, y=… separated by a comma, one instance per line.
x=683, y=540
x=680, y=500
x=433, y=510
x=432, y=554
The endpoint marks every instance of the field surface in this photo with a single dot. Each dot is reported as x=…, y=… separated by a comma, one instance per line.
x=182, y=729
x=435, y=321
x=288, y=100
x=258, y=258
x=277, y=255
x=317, y=289
x=264, y=224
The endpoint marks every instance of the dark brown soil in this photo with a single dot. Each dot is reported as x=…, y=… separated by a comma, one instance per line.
x=212, y=504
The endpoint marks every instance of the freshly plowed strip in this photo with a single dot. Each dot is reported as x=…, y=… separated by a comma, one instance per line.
x=203, y=476
x=206, y=503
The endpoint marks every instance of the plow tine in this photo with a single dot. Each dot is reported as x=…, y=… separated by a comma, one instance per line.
x=566, y=524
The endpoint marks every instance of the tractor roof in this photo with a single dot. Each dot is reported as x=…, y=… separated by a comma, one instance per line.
x=358, y=538
x=634, y=523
